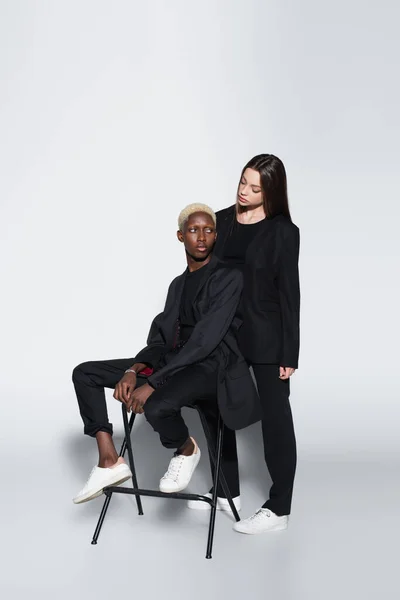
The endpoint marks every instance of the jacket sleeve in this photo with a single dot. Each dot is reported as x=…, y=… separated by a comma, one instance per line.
x=152, y=353
x=289, y=294
x=211, y=329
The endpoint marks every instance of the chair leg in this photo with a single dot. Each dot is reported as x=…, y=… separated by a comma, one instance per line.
x=211, y=451
x=101, y=519
x=123, y=446
x=107, y=500
x=128, y=428
x=214, y=496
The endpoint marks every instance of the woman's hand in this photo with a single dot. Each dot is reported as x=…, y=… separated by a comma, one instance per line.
x=285, y=372
x=139, y=398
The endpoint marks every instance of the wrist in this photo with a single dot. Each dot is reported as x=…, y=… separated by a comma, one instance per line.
x=131, y=370
x=136, y=368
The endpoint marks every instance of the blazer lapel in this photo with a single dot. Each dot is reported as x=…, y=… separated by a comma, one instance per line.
x=171, y=311
x=212, y=265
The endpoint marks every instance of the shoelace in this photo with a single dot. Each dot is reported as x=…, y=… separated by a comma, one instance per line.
x=258, y=514
x=174, y=467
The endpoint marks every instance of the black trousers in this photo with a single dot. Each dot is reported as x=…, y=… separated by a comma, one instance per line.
x=278, y=437
x=197, y=383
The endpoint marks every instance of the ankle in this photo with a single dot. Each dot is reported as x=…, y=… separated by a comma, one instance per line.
x=188, y=448
x=107, y=461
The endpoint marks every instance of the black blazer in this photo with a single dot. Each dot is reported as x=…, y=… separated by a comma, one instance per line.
x=214, y=334
x=271, y=295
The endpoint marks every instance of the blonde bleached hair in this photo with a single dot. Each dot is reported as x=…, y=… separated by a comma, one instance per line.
x=194, y=208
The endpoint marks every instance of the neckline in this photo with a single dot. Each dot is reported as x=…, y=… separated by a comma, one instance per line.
x=249, y=224
x=192, y=273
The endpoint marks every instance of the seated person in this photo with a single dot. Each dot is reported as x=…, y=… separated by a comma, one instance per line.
x=191, y=355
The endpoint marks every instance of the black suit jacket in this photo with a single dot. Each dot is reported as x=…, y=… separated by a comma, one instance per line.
x=271, y=295
x=215, y=333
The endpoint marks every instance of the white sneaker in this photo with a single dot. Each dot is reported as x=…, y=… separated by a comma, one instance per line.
x=222, y=504
x=100, y=478
x=262, y=521
x=180, y=471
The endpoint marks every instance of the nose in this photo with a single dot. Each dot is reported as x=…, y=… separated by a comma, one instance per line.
x=201, y=237
x=243, y=189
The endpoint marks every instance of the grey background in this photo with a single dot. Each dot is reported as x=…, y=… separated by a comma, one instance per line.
x=114, y=116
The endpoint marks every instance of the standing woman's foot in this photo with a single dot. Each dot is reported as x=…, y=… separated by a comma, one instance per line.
x=101, y=477
x=262, y=521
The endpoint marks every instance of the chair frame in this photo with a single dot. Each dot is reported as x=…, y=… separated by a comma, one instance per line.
x=215, y=460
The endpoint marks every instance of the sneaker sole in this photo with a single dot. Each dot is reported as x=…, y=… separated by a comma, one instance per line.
x=277, y=528
x=97, y=493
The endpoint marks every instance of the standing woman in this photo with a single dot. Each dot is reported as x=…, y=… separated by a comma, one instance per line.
x=257, y=234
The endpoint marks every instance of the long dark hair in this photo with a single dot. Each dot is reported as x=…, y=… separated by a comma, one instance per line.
x=273, y=184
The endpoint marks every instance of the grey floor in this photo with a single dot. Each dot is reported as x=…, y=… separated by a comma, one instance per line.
x=341, y=543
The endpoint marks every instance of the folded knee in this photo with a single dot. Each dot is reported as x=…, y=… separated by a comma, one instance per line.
x=156, y=410
x=81, y=371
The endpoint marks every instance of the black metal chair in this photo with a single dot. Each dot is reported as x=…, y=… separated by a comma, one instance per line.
x=214, y=451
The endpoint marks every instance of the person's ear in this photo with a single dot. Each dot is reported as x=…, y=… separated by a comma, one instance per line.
x=179, y=235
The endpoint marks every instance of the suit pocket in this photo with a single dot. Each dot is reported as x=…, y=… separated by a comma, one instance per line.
x=241, y=394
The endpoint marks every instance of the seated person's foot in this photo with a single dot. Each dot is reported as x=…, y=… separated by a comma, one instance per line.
x=180, y=471
x=262, y=521
x=222, y=503
x=100, y=478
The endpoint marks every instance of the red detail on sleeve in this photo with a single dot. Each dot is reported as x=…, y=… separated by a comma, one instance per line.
x=147, y=372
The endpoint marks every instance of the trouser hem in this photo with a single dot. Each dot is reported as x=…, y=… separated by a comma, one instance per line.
x=171, y=445
x=92, y=431
x=279, y=511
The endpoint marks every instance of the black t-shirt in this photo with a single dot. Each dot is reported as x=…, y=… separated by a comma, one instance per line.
x=238, y=241
x=187, y=318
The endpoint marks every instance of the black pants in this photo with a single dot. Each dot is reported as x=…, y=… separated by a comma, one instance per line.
x=197, y=383
x=278, y=437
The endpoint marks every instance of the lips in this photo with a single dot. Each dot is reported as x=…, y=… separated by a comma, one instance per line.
x=201, y=247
